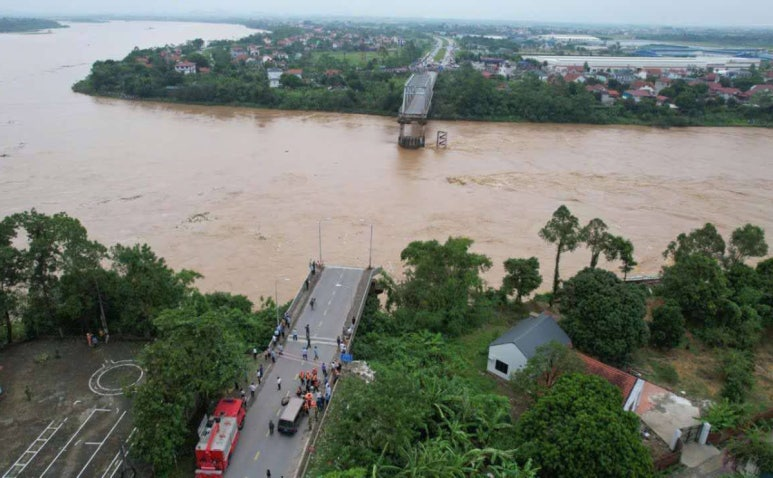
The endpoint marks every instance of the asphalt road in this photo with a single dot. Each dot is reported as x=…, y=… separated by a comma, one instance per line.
x=257, y=451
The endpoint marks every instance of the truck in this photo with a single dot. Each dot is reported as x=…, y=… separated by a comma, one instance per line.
x=218, y=436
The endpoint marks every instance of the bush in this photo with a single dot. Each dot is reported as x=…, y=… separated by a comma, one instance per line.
x=737, y=370
x=667, y=327
x=726, y=414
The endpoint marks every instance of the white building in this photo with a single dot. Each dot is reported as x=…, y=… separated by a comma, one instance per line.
x=185, y=67
x=514, y=348
x=274, y=74
x=573, y=39
x=603, y=63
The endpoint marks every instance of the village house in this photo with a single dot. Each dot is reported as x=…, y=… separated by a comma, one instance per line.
x=510, y=352
x=274, y=75
x=185, y=67
x=296, y=71
x=638, y=95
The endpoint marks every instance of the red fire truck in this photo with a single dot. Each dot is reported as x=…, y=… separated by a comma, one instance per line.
x=218, y=435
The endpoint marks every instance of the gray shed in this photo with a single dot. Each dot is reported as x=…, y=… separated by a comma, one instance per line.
x=510, y=352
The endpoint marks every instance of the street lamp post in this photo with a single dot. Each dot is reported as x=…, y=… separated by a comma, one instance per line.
x=276, y=296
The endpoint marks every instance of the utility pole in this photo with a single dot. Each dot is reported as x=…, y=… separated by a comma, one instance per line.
x=319, y=234
x=102, y=312
x=370, y=249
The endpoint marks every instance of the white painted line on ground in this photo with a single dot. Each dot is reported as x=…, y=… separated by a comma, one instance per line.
x=11, y=471
x=93, y=443
x=117, y=467
x=100, y=445
x=104, y=410
x=69, y=441
x=117, y=461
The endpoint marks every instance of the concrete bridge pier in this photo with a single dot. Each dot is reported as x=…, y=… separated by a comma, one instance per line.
x=412, y=134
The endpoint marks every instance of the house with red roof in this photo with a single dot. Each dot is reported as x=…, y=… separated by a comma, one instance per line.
x=185, y=67
x=758, y=89
x=637, y=95
x=630, y=387
x=295, y=71
x=574, y=78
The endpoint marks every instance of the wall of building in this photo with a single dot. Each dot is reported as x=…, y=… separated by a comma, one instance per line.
x=507, y=353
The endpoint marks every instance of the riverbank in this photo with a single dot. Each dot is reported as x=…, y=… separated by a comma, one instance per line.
x=27, y=25
x=710, y=121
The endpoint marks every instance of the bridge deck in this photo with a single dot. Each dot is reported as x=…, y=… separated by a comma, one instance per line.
x=417, y=96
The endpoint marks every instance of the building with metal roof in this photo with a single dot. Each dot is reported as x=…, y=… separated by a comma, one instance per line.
x=514, y=348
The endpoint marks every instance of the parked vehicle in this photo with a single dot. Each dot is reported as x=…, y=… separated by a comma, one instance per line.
x=291, y=416
x=218, y=436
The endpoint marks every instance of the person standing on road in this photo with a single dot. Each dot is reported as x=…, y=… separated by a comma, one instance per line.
x=268, y=473
x=311, y=302
x=305, y=353
x=316, y=353
x=279, y=383
x=254, y=353
x=295, y=335
x=253, y=387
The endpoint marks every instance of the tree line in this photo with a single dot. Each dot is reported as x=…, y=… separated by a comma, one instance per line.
x=334, y=84
x=422, y=417
x=55, y=280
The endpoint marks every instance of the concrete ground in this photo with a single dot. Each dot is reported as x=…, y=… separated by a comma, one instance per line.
x=64, y=414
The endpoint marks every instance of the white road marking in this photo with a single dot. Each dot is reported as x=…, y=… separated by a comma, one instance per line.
x=70, y=440
x=11, y=471
x=102, y=443
x=117, y=461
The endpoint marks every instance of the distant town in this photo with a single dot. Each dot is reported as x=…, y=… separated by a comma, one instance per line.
x=537, y=74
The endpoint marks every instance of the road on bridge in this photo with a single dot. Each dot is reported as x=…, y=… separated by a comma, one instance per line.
x=258, y=451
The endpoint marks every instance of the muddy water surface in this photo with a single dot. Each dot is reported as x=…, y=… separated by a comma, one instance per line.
x=238, y=194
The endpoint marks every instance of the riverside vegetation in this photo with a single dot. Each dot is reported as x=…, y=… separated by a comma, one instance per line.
x=431, y=411
x=360, y=81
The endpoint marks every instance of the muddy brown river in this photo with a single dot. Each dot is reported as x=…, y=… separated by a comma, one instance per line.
x=240, y=194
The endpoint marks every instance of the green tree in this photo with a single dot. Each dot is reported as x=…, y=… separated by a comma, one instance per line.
x=522, y=277
x=667, y=327
x=563, y=230
x=146, y=287
x=11, y=273
x=56, y=245
x=442, y=285
x=597, y=239
x=747, y=241
x=623, y=249
x=580, y=425
x=290, y=81
x=550, y=362
x=705, y=240
x=603, y=316
x=696, y=282
x=738, y=373
x=195, y=358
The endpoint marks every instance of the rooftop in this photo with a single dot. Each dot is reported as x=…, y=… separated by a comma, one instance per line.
x=616, y=377
x=532, y=332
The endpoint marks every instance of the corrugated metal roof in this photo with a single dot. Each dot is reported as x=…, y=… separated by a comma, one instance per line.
x=532, y=332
